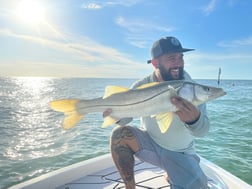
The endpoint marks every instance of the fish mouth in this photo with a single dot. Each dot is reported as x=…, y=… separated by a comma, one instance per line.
x=224, y=93
x=220, y=94
x=216, y=93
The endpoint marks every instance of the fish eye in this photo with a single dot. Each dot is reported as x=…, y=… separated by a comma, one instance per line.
x=207, y=89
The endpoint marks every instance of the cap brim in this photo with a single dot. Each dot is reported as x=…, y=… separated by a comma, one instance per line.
x=176, y=51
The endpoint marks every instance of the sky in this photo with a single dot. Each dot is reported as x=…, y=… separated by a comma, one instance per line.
x=113, y=38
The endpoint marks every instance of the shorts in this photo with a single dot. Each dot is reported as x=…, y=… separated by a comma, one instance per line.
x=183, y=169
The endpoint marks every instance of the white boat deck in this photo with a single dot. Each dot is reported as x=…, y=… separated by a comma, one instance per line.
x=101, y=173
x=146, y=175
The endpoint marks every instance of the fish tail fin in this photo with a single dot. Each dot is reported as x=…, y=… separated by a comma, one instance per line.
x=64, y=105
x=71, y=120
x=68, y=107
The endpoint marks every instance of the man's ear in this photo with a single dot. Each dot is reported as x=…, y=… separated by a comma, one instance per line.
x=154, y=62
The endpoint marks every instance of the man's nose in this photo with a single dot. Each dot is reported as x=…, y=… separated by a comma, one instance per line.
x=178, y=62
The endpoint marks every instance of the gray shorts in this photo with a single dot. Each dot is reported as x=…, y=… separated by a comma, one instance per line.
x=183, y=169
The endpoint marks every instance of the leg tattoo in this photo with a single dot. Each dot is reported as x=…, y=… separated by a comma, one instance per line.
x=121, y=149
x=125, y=162
x=122, y=133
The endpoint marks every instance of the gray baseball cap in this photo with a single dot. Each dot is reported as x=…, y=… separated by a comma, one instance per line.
x=166, y=45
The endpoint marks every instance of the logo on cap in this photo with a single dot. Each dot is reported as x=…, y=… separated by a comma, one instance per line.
x=175, y=42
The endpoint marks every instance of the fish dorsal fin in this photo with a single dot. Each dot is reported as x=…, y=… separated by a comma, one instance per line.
x=110, y=90
x=108, y=121
x=148, y=85
x=164, y=121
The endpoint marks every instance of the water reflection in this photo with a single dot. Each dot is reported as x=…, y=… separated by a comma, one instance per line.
x=34, y=132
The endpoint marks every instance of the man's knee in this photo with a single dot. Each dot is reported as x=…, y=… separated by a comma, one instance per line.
x=122, y=133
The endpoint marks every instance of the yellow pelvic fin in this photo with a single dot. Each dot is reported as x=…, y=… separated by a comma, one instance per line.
x=110, y=90
x=69, y=109
x=148, y=85
x=164, y=121
x=108, y=121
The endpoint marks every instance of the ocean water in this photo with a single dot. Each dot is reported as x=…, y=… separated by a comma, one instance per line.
x=33, y=143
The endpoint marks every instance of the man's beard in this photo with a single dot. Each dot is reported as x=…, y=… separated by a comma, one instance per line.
x=167, y=76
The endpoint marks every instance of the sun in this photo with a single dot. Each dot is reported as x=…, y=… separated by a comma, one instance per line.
x=30, y=11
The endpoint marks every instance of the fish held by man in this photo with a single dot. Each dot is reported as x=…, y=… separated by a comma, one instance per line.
x=147, y=100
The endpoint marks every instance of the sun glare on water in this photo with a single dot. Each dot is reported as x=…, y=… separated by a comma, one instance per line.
x=31, y=11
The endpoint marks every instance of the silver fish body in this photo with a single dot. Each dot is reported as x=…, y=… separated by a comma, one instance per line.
x=151, y=100
x=148, y=100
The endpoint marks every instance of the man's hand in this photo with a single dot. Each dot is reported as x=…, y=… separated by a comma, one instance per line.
x=122, y=122
x=187, y=112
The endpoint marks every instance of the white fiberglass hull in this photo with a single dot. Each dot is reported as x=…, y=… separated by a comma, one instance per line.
x=100, y=172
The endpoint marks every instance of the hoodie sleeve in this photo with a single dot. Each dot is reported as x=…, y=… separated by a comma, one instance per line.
x=201, y=126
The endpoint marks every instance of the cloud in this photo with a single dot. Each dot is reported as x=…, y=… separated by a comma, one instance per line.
x=205, y=65
x=54, y=69
x=140, y=25
x=80, y=47
x=91, y=59
x=103, y=4
x=232, y=3
x=209, y=8
x=236, y=43
x=127, y=3
x=136, y=30
x=215, y=58
x=92, y=6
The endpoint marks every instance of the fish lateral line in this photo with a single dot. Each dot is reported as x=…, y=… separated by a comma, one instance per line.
x=138, y=102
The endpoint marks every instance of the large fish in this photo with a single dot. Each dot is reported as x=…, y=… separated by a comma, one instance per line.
x=147, y=100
